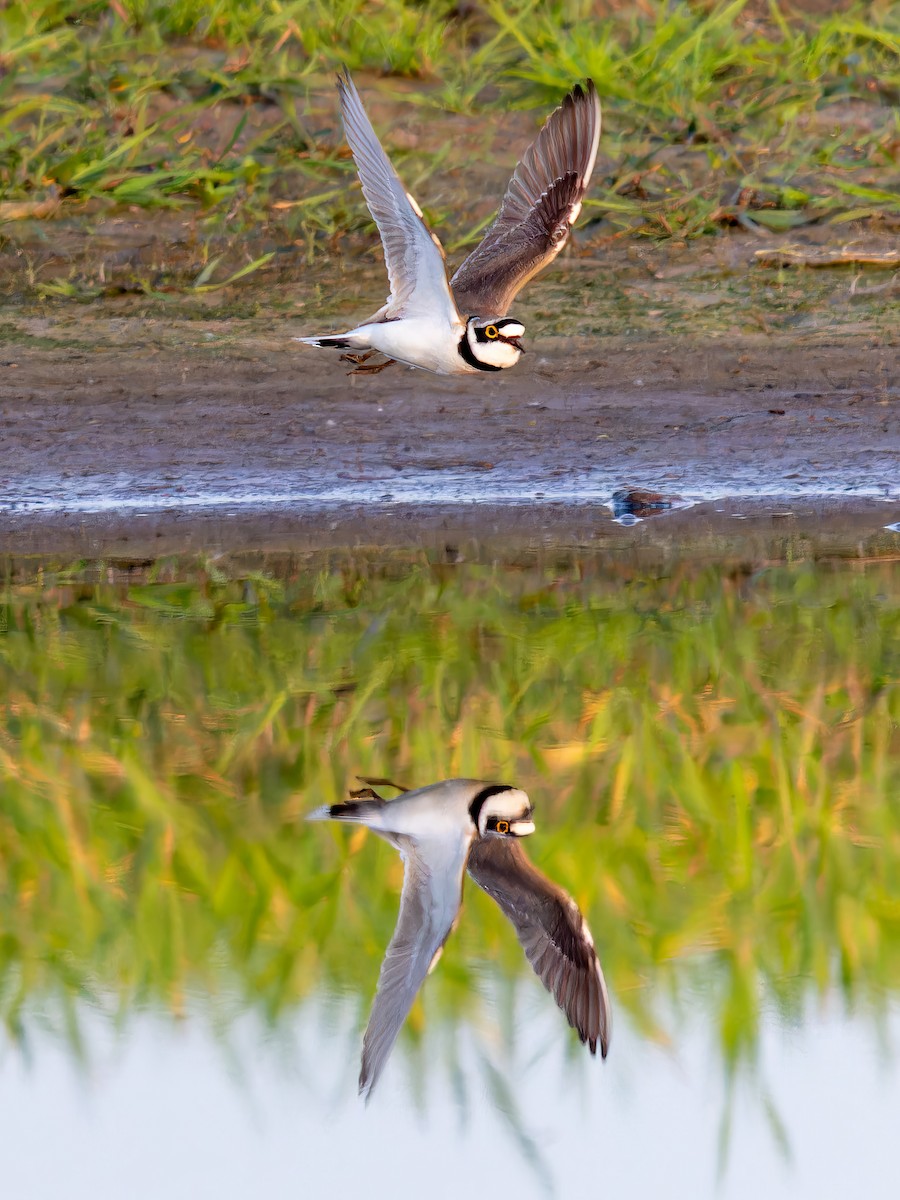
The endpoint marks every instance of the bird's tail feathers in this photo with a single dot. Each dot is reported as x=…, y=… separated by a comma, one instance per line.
x=336, y=341
x=347, y=810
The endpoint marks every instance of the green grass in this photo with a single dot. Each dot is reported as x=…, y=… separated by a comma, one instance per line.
x=714, y=756
x=714, y=116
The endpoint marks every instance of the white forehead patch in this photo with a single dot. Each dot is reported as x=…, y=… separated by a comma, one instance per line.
x=511, y=329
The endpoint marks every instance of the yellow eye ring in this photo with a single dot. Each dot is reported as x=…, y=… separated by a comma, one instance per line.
x=503, y=826
x=491, y=331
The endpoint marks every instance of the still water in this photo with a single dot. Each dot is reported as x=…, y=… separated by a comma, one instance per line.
x=186, y=966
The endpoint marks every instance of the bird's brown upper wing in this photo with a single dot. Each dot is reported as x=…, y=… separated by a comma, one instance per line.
x=541, y=203
x=553, y=933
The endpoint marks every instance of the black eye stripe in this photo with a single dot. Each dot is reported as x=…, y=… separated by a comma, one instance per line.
x=481, y=331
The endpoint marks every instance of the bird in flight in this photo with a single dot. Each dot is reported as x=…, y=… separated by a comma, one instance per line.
x=441, y=831
x=463, y=326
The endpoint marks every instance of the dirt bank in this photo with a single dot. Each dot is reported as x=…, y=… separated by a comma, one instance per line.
x=193, y=425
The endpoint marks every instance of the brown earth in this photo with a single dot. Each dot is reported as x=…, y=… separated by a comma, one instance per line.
x=134, y=436
x=156, y=416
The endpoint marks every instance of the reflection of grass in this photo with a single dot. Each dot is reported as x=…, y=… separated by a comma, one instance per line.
x=715, y=115
x=714, y=758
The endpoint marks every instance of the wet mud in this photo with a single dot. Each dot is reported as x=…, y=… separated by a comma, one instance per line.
x=688, y=370
x=227, y=430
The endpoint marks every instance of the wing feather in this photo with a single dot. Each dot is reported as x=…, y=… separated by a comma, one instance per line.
x=429, y=904
x=553, y=934
x=541, y=203
x=412, y=254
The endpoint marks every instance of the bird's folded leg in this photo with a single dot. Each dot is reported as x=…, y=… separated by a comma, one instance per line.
x=370, y=368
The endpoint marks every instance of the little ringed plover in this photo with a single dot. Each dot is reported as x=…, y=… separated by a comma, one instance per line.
x=463, y=327
x=441, y=831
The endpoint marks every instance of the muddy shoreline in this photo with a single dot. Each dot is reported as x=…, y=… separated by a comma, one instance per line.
x=223, y=435
x=756, y=532
x=146, y=402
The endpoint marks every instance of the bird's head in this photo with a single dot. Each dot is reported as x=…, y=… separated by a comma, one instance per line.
x=498, y=810
x=493, y=343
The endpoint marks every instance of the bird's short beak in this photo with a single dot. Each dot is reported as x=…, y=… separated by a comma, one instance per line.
x=521, y=828
x=518, y=345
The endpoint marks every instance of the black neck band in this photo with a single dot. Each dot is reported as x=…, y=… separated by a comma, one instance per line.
x=465, y=351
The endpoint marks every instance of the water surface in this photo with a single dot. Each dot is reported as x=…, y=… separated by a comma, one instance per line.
x=186, y=965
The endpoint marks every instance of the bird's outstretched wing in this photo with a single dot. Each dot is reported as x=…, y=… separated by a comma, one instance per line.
x=553, y=933
x=432, y=890
x=541, y=204
x=412, y=255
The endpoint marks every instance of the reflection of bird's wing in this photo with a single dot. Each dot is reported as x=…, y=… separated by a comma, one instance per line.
x=541, y=204
x=412, y=255
x=432, y=890
x=553, y=933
